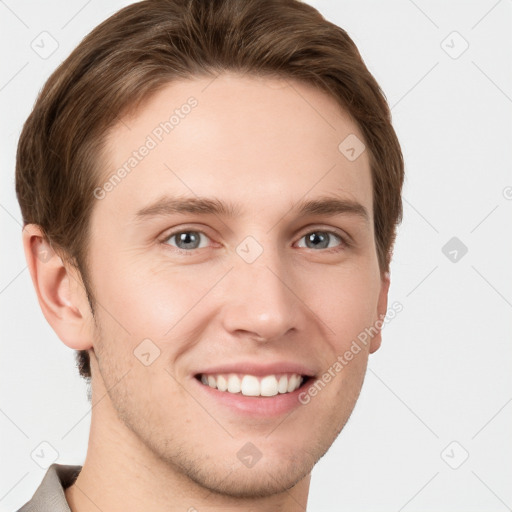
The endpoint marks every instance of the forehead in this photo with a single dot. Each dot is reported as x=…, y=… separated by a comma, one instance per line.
x=266, y=141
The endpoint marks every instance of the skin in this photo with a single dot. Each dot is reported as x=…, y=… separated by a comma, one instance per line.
x=155, y=442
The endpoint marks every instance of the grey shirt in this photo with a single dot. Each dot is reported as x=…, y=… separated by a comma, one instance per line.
x=49, y=496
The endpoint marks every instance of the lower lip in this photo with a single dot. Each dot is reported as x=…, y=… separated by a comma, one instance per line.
x=260, y=406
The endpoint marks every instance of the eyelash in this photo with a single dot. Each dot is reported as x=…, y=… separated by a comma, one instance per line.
x=344, y=244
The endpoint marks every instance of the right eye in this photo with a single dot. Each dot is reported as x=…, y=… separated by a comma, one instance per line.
x=186, y=240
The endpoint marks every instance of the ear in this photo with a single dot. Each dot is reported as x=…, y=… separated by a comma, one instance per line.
x=59, y=289
x=382, y=307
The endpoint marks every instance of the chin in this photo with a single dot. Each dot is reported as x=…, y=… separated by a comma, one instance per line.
x=265, y=479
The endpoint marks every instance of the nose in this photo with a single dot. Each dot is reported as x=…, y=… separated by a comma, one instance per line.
x=260, y=301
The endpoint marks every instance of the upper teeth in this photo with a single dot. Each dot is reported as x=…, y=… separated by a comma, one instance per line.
x=249, y=385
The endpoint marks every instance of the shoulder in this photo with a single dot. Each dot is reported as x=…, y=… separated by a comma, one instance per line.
x=49, y=496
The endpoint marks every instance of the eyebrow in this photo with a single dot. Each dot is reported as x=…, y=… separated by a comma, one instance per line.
x=201, y=205
x=331, y=206
x=324, y=205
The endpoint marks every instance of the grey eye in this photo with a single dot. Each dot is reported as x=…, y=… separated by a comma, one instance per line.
x=186, y=240
x=320, y=240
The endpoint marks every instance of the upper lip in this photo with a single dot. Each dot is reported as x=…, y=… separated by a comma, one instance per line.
x=252, y=368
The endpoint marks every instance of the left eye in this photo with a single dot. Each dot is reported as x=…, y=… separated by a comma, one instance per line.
x=320, y=240
x=187, y=240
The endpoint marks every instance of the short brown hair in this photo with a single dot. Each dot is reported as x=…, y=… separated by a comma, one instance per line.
x=149, y=44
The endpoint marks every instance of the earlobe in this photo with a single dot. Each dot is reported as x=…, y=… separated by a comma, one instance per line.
x=61, y=296
x=382, y=307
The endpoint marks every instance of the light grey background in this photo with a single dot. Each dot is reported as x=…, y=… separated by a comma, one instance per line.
x=440, y=387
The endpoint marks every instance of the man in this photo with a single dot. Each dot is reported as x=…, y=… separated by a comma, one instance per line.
x=215, y=188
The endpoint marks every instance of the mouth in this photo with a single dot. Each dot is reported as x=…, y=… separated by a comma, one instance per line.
x=254, y=386
x=255, y=390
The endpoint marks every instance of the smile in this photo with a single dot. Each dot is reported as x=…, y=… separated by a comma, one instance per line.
x=251, y=385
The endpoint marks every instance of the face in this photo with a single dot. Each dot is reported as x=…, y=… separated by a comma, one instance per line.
x=235, y=253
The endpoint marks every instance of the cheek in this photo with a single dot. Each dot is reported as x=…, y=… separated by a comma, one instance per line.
x=147, y=301
x=346, y=301
x=160, y=303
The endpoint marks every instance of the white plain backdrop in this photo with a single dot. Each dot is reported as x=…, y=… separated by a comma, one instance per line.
x=432, y=430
